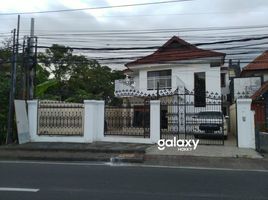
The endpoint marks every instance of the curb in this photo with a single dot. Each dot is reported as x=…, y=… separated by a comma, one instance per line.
x=71, y=156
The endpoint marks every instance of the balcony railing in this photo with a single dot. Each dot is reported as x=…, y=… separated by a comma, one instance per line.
x=130, y=87
x=125, y=84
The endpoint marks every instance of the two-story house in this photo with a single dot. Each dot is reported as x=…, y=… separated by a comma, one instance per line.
x=188, y=82
x=174, y=66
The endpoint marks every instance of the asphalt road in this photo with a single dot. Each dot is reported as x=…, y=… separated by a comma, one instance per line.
x=74, y=181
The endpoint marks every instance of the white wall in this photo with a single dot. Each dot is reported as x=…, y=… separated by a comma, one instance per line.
x=89, y=129
x=245, y=124
x=186, y=73
x=94, y=125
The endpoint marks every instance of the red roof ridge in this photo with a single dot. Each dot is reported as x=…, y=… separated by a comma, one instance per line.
x=260, y=91
x=173, y=50
x=259, y=63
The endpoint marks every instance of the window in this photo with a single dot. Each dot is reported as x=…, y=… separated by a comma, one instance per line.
x=215, y=64
x=223, y=81
x=162, y=77
x=200, y=89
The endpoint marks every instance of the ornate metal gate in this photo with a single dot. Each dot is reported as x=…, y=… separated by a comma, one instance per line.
x=185, y=118
x=128, y=120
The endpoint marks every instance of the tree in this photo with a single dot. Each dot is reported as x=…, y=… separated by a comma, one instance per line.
x=75, y=77
x=5, y=66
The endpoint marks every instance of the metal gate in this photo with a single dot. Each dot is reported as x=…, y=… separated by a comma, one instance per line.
x=183, y=117
x=128, y=120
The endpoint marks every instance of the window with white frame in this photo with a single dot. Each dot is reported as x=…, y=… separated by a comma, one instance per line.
x=162, y=77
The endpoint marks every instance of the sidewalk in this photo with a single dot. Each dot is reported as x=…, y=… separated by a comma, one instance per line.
x=204, y=156
x=209, y=156
x=97, y=151
x=217, y=151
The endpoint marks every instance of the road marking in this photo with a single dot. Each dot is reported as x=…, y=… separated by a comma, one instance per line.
x=9, y=189
x=130, y=165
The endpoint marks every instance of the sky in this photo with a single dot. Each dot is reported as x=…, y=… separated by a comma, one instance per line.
x=141, y=26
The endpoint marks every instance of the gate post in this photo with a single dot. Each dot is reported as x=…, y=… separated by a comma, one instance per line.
x=33, y=118
x=245, y=124
x=99, y=120
x=93, y=120
x=89, y=119
x=154, y=121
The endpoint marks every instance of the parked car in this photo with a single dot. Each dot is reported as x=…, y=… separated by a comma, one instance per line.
x=211, y=124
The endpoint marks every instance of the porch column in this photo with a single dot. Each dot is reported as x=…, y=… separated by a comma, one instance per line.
x=245, y=124
x=154, y=121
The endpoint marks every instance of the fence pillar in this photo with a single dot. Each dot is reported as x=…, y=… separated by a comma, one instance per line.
x=93, y=120
x=245, y=124
x=32, y=118
x=89, y=119
x=99, y=120
x=154, y=121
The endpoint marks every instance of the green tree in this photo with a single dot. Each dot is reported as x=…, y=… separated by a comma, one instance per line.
x=5, y=66
x=75, y=77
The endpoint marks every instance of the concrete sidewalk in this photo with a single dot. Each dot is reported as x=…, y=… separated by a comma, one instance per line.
x=204, y=156
x=217, y=151
x=97, y=151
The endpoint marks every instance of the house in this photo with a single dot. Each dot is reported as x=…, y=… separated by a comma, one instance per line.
x=177, y=65
x=185, y=78
x=259, y=68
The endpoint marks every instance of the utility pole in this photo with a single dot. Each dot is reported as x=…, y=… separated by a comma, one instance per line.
x=32, y=71
x=24, y=71
x=12, y=93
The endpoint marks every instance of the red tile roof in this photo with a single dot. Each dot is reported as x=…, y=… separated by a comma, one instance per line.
x=260, y=63
x=261, y=91
x=175, y=49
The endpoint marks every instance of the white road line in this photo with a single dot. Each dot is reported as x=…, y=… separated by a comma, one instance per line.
x=9, y=189
x=130, y=165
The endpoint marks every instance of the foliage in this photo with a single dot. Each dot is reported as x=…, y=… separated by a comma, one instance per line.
x=43, y=87
x=5, y=57
x=75, y=77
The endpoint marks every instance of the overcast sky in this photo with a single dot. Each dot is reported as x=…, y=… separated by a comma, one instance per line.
x=66, y=27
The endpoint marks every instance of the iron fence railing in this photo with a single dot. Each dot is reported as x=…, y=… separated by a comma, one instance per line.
x=60, y=118
x=128, y=120
x=181, y=118
x=261, y=136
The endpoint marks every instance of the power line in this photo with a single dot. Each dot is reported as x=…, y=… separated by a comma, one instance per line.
x=94, y=8
x=155, y=47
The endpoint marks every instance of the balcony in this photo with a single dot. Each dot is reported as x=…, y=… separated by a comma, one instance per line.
x=126, y=87
x=130, y=87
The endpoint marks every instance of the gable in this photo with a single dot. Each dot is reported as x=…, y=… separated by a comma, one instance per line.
x=175, y=49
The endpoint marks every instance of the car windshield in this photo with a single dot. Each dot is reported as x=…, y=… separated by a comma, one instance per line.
x=210, y=114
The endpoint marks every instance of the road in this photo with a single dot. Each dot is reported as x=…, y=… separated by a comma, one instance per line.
x=52, y=180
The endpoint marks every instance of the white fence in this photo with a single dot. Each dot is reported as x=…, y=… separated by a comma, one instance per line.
x=92, y=123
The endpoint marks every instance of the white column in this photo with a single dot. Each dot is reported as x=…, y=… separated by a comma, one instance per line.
x=245, y=124
x=32, y=118
x=154, y=121
x=99, y=121
x=89, y=120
